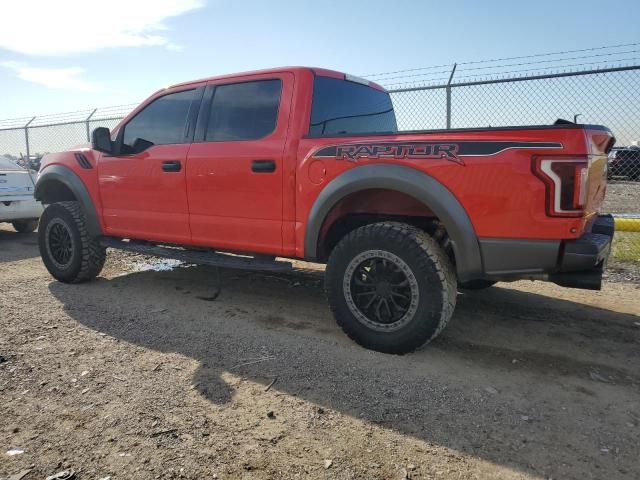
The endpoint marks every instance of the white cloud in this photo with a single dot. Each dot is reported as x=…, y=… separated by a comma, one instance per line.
x=59, y=27
x=174, y=47
x=60, y=78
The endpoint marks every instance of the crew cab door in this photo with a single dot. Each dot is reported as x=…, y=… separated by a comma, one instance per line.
x=235, y=165
x=142, y=186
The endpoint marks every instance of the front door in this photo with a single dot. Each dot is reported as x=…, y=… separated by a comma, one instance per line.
x=235, y=165
x=143, y=187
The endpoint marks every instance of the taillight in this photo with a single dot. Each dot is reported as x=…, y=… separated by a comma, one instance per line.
x=566, y=182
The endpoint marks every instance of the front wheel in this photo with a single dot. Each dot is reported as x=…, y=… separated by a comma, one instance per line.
x=67, y=250
x=25, y=226
x=391, y=287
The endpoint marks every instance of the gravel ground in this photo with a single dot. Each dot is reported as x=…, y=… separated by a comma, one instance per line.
x=623, y=196
x=625, y=272
x=135, y=376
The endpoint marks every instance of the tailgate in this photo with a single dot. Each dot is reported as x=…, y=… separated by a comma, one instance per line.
x=16, y=184
x=599, y=144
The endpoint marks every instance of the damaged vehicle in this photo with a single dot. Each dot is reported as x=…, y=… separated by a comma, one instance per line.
x=307, y=163
x=17, y=204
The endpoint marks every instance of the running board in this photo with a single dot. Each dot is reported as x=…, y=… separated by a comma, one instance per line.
x=201, y=258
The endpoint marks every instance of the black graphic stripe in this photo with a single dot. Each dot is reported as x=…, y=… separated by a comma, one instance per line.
x=463, y=148
x=491, y=148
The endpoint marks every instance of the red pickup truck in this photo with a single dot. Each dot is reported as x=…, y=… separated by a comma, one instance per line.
x=308, y=163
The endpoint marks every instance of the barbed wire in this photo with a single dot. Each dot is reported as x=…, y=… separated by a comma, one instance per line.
x=512, y=65
x=73, y=116
x=536, y=55
x=521, y=72
x=549, y=61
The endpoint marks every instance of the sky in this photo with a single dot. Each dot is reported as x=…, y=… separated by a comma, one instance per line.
x=66, y=55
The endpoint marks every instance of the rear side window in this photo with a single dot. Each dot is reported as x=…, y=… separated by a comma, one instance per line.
x=244, y=111
x=162, y=121
x=344, y=107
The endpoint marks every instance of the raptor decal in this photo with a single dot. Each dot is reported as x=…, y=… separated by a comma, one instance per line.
x=424, y=150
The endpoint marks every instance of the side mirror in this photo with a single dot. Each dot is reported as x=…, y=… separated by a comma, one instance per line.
x=101, y=140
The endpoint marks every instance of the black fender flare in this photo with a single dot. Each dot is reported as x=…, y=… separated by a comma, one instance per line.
x=412, y=182
x=64, y=175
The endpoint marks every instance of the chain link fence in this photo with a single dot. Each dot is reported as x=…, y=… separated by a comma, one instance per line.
x=609, y=96
x=30, y=137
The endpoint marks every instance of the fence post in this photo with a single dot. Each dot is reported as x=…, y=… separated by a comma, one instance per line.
x=448, y=90
x=26, y=136
x=87, y=123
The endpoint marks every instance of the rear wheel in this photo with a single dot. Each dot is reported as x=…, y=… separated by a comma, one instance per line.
x=391, y=287
x=25, y=226
x=66, y=248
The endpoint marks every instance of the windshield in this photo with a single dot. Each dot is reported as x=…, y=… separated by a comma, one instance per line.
x=344, y=107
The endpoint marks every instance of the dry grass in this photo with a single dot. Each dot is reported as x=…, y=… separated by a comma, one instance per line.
x=626, y=246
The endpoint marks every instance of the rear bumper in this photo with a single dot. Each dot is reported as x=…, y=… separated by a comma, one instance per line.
x=21, y=208
x=575, y=263
x=583, y=260
x=591, y=249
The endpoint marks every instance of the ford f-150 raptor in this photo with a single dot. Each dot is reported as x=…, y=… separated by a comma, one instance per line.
x=308, y=163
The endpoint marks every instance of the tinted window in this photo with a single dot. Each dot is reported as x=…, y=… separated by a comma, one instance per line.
x=162, y=121
x=244, y=111
x=340, y=106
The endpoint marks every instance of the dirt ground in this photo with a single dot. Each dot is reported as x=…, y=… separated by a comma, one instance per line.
x=623, y=196
x=133, y=376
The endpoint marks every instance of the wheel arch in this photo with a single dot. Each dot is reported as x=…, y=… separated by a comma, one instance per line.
x=57, y=183
x=424, y=188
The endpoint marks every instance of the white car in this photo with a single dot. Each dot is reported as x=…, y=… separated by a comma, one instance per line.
x=17, y=204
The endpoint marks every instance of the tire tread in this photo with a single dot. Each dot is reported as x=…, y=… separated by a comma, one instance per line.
x=25, y=226
x=92, y=254
x=431, y=256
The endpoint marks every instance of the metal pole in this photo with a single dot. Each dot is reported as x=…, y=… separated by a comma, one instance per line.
x=448, y=90
x=87, y=121
x=26, y=138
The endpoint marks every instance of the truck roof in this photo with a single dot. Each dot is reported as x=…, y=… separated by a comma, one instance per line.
x=316, y=71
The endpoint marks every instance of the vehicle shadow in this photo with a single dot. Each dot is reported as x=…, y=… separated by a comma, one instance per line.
x=16, y=246
x=524, y=380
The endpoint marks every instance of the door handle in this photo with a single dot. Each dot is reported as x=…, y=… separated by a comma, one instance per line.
x=171, y=166
x=263, y=166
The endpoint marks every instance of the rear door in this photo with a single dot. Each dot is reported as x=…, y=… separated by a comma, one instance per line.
x=143, y=188
x=235, y=166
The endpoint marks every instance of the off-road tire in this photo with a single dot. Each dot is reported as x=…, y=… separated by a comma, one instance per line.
x=87, y=256
x=426, y=265
x=25, y=226
x=478, y=284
